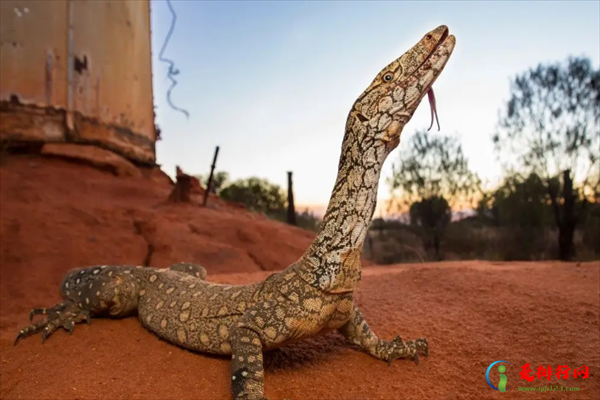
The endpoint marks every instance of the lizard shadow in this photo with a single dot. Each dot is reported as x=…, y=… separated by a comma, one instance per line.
x=305, y=353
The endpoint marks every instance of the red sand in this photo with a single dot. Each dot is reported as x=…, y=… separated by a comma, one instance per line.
x=58, y=215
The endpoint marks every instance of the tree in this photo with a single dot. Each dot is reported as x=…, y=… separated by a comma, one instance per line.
x=550, y=127
x=432, y=215
x=257, y=194
x=433, y=176
x=519, y=208
x=517, y=201
x=591, y=229
x=220, y=179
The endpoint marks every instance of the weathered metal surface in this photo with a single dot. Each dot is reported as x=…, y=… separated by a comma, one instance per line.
x=33, y=45
x=88, y=60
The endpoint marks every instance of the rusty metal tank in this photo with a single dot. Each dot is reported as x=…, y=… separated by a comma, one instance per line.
x=76, y=71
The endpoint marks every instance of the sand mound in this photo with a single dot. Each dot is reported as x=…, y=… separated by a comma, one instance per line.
x=57, y=215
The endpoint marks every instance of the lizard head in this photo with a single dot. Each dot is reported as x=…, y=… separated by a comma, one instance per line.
x=395, y=93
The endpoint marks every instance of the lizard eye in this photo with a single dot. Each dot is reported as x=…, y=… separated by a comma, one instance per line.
x=388, y=77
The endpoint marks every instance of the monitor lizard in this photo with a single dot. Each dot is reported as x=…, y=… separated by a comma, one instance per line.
x=312, y=296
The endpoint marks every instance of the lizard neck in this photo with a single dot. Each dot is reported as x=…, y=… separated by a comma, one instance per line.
x=333, y=261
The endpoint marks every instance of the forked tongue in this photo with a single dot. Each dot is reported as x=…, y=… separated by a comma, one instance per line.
x=431, y=98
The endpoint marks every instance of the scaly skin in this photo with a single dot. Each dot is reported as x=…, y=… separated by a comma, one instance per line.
x=310, y=297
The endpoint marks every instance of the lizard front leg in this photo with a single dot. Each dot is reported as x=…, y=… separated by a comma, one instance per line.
x=358, y=332
x=87, y=292
x=261, y=327
x=247, y=371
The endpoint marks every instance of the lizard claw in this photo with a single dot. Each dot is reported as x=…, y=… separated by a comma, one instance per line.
x=46, y=311
x=416, y=359
x=23, y=333
x=69, y=326
x=422, y=346
x=36, y=311
x=397, y=343
x=45, y=333
x=63, y=314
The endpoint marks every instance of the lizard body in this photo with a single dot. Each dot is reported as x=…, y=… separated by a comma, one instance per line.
x=310, y=297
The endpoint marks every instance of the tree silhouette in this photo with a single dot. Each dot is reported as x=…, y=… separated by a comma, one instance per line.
x=550, y=127
x=432, y=177
x=431, y=216
x=519, y=208
x=220, y=179
x=256, y=193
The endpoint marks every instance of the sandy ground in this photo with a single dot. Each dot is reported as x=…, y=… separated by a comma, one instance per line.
x=56, y=216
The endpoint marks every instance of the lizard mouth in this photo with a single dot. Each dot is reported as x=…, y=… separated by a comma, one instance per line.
x=436, y=49
x=436, y=46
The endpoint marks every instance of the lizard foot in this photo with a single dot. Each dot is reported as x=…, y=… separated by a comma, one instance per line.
x=410, y=349
x=65, y=314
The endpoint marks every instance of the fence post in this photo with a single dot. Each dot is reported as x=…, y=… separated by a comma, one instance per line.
x=210, y=178
x=291, y=210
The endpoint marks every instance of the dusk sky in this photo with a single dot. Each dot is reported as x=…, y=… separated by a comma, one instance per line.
x=271, y=83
